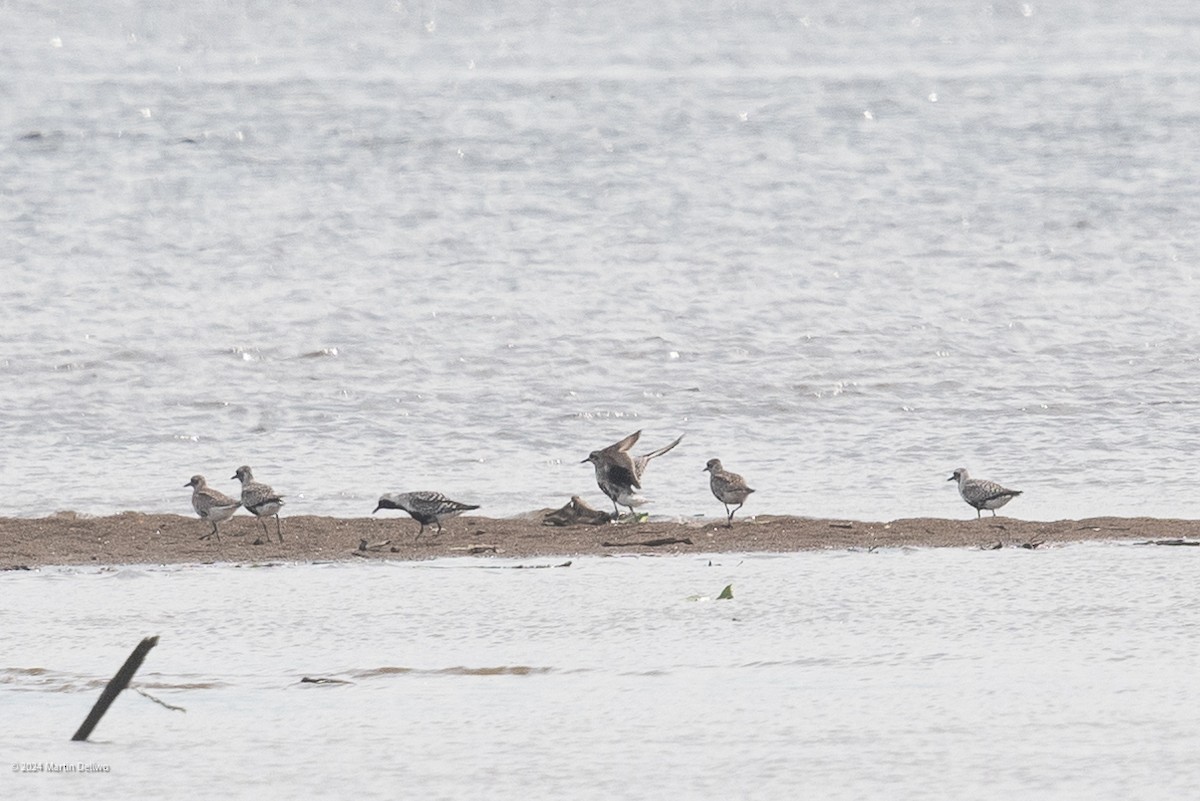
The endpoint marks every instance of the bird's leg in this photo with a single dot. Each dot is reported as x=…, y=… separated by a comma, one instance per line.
x=419, y=533
x=728, y=516
x=266, y=532
x=439, y=525
x=278, y=528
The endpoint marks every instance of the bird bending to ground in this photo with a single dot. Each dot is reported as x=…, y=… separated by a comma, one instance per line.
x=728, y=487
x=260, y=500
x=619, y=475
x=212, y=506
x=424, y=507
x=980, y=493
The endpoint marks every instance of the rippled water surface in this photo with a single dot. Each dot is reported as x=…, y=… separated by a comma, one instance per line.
x=388, y=246
x=895, y=674
x=369, y=246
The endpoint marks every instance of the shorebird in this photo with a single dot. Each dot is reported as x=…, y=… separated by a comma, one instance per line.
x=211, y=505
x=424, y=507
x=619, y=475
x=260, y=500
x=728, y=487
x=980, y=493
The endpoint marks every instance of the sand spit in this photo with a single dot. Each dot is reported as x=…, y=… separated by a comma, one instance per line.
x=132, y=538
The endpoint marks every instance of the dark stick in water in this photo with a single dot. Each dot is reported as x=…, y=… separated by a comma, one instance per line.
x=115, y=685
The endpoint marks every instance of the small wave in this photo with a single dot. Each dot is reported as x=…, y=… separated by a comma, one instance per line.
x=500, y=670
x=48, y=681
x=319, y=354
x=45, y=680
x=245, y=354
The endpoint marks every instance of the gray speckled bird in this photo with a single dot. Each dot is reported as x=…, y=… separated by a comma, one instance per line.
x=260, y=500
x=981, y=494
x=212, y=506
x=730, y=488
x=425, y=507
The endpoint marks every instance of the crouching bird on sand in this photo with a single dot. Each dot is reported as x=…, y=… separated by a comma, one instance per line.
x=427, y=508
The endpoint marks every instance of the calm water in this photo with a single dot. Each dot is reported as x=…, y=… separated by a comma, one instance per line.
x=897, y=674
x=392, y=246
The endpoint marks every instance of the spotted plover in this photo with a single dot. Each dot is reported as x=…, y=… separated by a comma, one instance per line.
x=619, y=475
x=980, y=493
x=728, y=487
x=211, y=505
x=424, y=507
x=260, y=500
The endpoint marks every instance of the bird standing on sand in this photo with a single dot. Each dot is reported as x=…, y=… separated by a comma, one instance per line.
x=619, y=475
x=211, y=505
x=728, y=487
x=260, y=500
x=980, y=493
x=424, y=507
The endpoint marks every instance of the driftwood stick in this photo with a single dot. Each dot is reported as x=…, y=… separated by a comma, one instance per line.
x=649, y=543
x=115, y=685
x=158, y=701
x=1170, y=542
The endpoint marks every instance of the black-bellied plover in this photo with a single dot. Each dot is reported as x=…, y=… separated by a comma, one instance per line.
x=213, y=506
x=619, y=475
x=980, y=493
x=425, y=507
x=728, y=487
x=260, y=500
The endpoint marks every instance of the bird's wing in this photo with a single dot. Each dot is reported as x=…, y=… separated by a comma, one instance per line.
x=625, y=444
x=643, y=460
x=979, y=491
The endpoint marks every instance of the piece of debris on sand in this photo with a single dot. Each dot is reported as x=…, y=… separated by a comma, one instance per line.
x=576, y=513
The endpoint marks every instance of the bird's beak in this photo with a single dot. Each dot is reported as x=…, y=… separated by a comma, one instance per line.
x=233, y=477
x=376, y=509
x=188, y=484
x=952, y=478
x=581, y=461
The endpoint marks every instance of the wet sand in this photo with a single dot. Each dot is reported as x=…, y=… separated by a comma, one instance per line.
x=133, y=538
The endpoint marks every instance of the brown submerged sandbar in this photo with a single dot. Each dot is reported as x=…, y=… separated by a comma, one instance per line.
x=133, y=538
